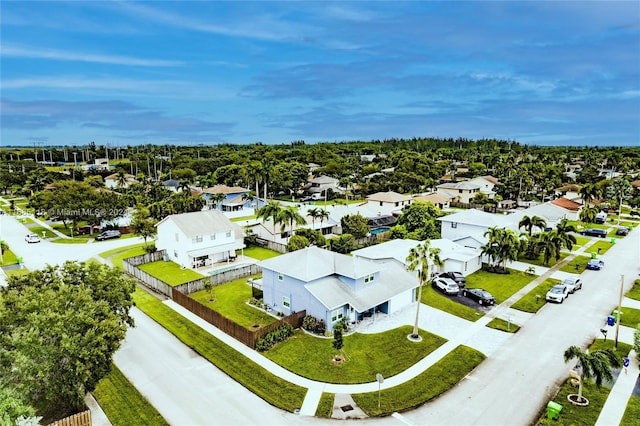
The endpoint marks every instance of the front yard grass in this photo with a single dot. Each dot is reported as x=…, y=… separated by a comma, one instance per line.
x=120, y=253
x=123, y=404
x=387, y=353
x=70, y=241
x=630, y=316
x=325, y=406
x=230, y=301
x=170, y=272
x=600, y=247
x=501, y=286
x=503, y=325
x=260, y=253
x=276, y=391
x=577, y=265
x=18, y=271
x=38, y=231
x=580, y=241
x=632, y=413
x=437, y=379
x=573, y=415
x=634, y=293
x=8, y=258
x=539, y=260
x=535, y=299
x=435, y=299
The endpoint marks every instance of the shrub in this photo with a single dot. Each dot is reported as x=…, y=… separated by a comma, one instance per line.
x=150, y=248
x=276, y=336
x=312, y=324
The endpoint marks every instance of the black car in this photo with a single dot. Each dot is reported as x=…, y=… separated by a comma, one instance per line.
x=594, y=232
x=480, y=295
x=107, y=235
x=456, y=276
x=623, y=230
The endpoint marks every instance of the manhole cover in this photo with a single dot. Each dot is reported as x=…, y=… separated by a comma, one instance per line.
x=346, y=408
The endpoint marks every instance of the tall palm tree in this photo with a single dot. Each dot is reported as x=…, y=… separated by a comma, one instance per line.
x=269, y=210
x=618, y=191
x=314, y=213
x=503, y=245
x=289, y=215
x=564, y=228
x=590, y=192
x=550, y=245
x=596, y=364
x=529, y=223
x=418, y=259
x=588, y=213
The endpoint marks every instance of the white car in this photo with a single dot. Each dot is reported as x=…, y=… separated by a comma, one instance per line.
x=446, y=285
x=558, y=293
x=573, y=284
x=32, y=238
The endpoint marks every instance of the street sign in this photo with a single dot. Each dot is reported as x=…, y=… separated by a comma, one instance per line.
x=379, y=378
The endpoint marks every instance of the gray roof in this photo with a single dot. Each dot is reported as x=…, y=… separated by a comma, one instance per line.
x=313, y=263
x=393, y=280
x=459, y=185
x=203, y=223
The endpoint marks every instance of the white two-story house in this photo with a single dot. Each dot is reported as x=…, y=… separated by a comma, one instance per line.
x=199, y=239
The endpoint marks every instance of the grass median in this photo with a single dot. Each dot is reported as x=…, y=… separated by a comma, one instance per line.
x=436, y=300
x=634, y=293
x=271, y=388
x=535, y=299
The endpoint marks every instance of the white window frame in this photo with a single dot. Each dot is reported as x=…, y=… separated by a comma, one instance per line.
x=280, y=276
x=212, y=237
x=228, y=234
x=197, y=239
x=337, y=315
x=286, y=302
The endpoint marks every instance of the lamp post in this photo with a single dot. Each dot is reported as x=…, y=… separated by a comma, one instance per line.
x=380, y=380
x=619, y=316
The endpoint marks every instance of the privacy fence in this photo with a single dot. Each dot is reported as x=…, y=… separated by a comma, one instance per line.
x=79, y=419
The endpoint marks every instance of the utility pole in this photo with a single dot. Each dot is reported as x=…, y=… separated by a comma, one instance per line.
x=619, y=316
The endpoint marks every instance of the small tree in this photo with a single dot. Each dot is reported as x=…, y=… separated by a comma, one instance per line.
x=143, y=225
x=297, y=242
x=209, y=288
x=596, y=364
x=338, y=329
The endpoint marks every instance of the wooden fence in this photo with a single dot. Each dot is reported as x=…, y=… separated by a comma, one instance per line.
x=79, y=419
x=280, y=248
x=146, y=258
x=130, y=266
x=220, y=278
x=238, y=332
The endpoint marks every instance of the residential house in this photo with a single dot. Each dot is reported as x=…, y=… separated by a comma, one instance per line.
x=441, y=201
x=555, y=210
x=276, y=233
x=172, y=185
x=236, y=200
x=320, y=184
x=486, y=184
x=389, y=201
x=113, y=181
x=199, y=239
x=460, y=192
x=332, y=286
x=473, y=223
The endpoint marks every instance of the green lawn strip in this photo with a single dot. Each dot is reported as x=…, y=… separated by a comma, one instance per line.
x=535, y=299
x=580, y=241
x=123, y=404
x=603, y=246
x=38, y=231
x=70, y=241
x=583, y=225
x=230, y=301
x=437, y=379
x=634, y=293
x=387, y=353
x=170, y=272
x=240, y=219
x=437, y=300
x=622, y=350
x=631, y=415
x=539, y=260
x=8, y=258
x=256, y=379
x=572, y=415
x=630, y=316
x=503, y=325
x=577, y=265
x=325, y=406
x=260, y=253
x=501, y=286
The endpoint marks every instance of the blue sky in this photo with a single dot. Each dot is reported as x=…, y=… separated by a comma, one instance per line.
x=119, y=73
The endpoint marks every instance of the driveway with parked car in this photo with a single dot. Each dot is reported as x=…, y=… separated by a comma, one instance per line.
x=558, y=293
x=594, y=232
x=480, y=295
x=446, y=285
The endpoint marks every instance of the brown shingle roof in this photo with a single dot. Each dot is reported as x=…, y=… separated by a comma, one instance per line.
x=566, y=204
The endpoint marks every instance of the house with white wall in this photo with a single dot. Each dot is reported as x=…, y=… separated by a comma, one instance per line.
x=460, y=192
x=199, y=239
x=113, y=181
x=320, y=184
x=486, y=185
x=332, y=286
x=389, y=201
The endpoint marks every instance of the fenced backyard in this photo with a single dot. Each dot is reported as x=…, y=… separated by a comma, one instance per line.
x=79, y=419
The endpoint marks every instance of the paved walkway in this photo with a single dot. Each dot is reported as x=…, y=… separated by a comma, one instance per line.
x=616, y=403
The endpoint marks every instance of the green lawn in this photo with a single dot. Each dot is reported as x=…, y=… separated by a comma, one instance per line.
x=437, y=300
x=602, y=245
x=120, y=253
x=632, y=413
x=325, y=406
x=123, y=404
x=437, y=379
x=535, y=299
x=577, y=265
x=630, y=316
x=634, y=293
x=503, y=325
x=501, y=286
x=276, y=391
x=240, y=219
x=622, y=350
x=70, y=241
x=572, y=415
x=38, y=231
x=580, y=241
x=260, y=253
x=8, y=258
x=387, y=353
x=539, y=260
x=230, y=301
x=170, y=272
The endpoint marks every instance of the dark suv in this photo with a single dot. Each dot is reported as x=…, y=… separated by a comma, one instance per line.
x=455, y=276
x=107, y=235
x=594, y=232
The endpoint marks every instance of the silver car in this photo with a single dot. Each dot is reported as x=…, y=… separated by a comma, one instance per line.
x=558, y=293
x=446, y=285
x=573, y=284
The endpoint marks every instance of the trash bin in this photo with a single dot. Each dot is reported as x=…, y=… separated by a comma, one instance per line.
x=611, y=320
x=594, y=254
x=615, y=315
x=553, y=410
x=19, y=259
x=613, y=241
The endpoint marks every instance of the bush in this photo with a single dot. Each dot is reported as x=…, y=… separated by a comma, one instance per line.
x=313, y=325
x=276, y=336
x=150, y=248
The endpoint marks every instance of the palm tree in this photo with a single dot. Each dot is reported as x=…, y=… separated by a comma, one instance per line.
x=289, y=215
x=218, y=198
x=314, y=213
x=550, y=245
x=588, y=214
x=121, y=179
x=503, y=245
x=618, y=191
x=590, y=192
x=529, y=223
x=418, y=259
x=596, y=364
x=564, y=228
x=269, y=210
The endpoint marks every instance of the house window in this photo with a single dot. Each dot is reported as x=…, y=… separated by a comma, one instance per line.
x=280, y=277
x=228, y=234
x=454, y=224
x=212, y=237
x=177, y=237
x=369, y=278
x=465, y=266
x=337, y=315
x=197, y=239
x=460, y=191
x=286, y=302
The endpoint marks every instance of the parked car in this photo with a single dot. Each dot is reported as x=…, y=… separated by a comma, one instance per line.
x=573, y=284
x=622, y=230
x=107, y=235
x=601, y=217
x=446, y=285
x=86, y=230
x=594, y=232
x=480, y=295
x=455, y=276
x=595, y=264
x=32, y=238
x=558, y=293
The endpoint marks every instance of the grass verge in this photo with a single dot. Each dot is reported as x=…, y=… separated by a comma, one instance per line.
x=577, y=265
x=503, y=325
x=634, y=293
x=123, y=404
x=70, y=241
x=535, y=299
x=387, y=353
x=325, y=406
x=501, y=286
x=599, y=247
x=8, y=258
x=539, y=260
x=120, y=253
x=256, y=379
x=436, y=300
x=434, y=381
x=573, y=415
x=631, y=415
x=170, y=272
x=630, y=316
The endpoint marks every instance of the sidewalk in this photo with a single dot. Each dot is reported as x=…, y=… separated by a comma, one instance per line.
x=616, y=403
x=36, y=220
